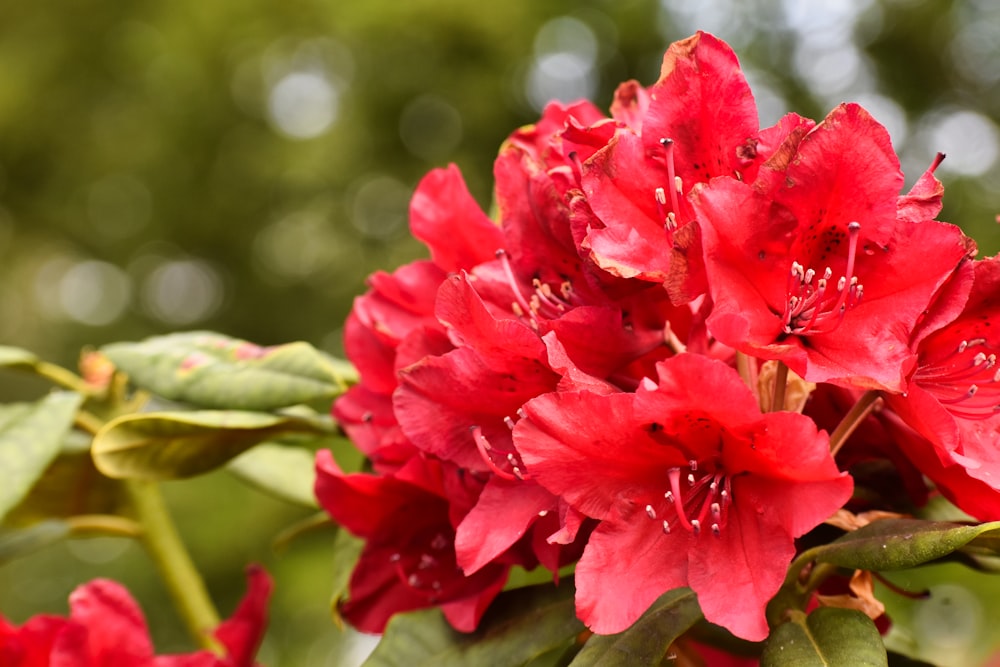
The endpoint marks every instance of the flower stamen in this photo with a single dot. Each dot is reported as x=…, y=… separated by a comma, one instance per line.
x=966, y=382
x=817, y=308
x=705, y=501
x=505, y=464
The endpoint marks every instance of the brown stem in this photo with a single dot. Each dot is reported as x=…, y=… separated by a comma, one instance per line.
x=857, y=414
x=780, y=383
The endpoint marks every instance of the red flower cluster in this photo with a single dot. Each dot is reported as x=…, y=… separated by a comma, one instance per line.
x=585, y=378
x=106, y=628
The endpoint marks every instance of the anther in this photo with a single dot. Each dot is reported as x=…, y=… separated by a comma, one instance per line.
x=695, y=526
x=715, y=530
x=509, y=422
x=650, y=511
x=666, y=526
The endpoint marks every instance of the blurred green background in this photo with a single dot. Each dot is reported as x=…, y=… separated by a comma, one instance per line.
x=242, y=166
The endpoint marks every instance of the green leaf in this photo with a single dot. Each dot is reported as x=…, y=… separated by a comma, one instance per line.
x=828, y=637
x=173, y=445
x=69, y=486
x=519, y=626
x=24, y=541
x=30, y=438
x=285, y=472
x=346, y=551
x=895, y=544
x=649, y=638
x=210, y=370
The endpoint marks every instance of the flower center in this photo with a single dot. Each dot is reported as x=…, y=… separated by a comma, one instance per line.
x=506, y=463
x=428, y=567
x=966, y=382
x=816, y=306
x=694, y=502
x=542, y=301
x=669, y=216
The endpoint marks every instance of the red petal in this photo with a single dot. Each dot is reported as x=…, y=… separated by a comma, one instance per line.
x=923, y=201
x=116, y=629
x=624, y=569
x=504, y=513
x=242, y=632
x=703, y=102
x=445, y=216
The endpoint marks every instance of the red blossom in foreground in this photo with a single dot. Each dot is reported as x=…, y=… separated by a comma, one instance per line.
x=693, y=487
x=819, y=264
x=106, y=628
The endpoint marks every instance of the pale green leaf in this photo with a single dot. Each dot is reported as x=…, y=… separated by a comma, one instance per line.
x=285, y=472
x=30, y=438
x=210, y=370
x=172, y=445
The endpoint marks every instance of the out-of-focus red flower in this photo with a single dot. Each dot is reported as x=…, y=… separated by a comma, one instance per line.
x=106, y=628
x=819, y=263
x=693, y=487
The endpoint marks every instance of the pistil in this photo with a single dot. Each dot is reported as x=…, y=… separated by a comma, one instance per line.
x=669, y=216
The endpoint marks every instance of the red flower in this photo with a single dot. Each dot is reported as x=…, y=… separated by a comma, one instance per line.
x=819, y=263
x=393, y=324
x=693, y=487
x=106, y=628
x=408, y=520
x=535, y=318
x=698, y=122
x=953, y=400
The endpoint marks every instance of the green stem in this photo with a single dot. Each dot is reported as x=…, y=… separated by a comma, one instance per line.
x=104, y=524
x=852, y=420
x=183, y=582
x=62, y=377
